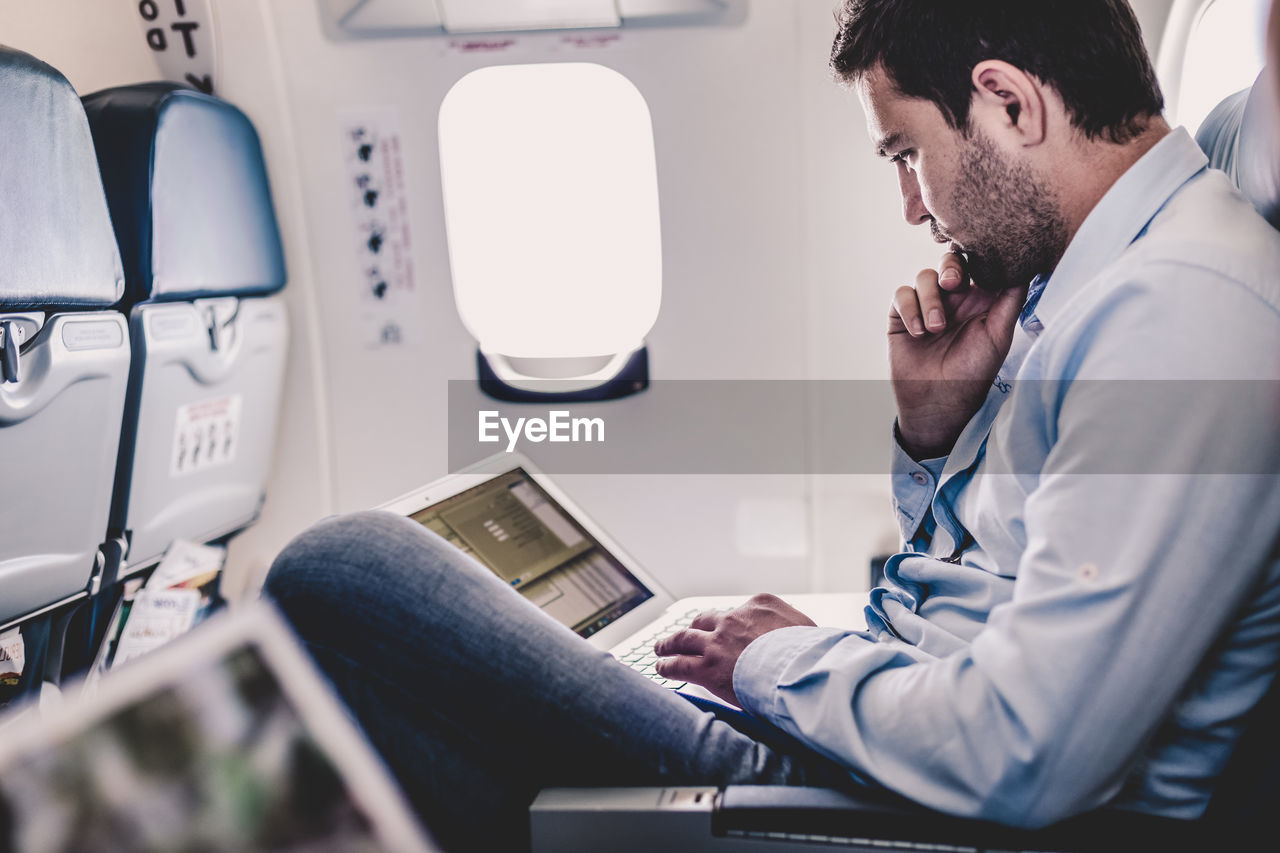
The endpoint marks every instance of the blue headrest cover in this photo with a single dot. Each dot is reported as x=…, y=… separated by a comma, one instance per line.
x=56, y=246
x=188, y=193
x=1242, y=138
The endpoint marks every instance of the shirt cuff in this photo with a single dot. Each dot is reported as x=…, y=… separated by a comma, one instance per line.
x=759, y=671
x=914, y=485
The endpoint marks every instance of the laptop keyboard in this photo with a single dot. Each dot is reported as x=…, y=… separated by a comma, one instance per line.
x=642, y=659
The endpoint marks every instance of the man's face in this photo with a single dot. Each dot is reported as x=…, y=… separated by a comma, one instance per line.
x=985, y=203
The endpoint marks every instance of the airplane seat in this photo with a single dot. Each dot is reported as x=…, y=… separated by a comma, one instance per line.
x=1241, y=138
x=64, y=353
x=189, y=197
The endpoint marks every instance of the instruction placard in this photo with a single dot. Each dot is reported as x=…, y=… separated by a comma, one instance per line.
x=205, y=435
x=374, y=160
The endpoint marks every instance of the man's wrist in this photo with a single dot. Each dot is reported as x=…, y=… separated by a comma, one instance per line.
x=924, y=448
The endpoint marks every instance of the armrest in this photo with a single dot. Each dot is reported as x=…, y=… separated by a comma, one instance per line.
x=743, y=819
x=767, y=811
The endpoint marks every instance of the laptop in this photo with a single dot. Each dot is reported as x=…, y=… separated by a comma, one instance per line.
x=517, y=523
x=225, y=739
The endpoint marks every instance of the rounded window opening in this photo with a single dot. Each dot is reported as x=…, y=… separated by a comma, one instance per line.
x=551, y=208
x=1226, y=50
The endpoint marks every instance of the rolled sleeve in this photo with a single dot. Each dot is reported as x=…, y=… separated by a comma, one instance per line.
x=759, y=671
x=914, y=485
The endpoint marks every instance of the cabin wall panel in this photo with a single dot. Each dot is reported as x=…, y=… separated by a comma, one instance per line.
x=857, y=251
x=727, y=126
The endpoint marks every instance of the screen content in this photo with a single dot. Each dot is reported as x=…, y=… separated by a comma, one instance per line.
x=518, y=531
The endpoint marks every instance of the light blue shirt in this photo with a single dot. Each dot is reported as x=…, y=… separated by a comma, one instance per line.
x=1090, y=594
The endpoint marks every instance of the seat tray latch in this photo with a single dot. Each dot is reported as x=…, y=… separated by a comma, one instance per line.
x=11, y=336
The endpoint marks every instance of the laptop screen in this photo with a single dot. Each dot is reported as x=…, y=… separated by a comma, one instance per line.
x=523, y=536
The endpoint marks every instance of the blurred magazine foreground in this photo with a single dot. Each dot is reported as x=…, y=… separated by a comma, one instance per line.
x=224, y=740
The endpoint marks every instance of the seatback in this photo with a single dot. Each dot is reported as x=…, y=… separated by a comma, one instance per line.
x=65, y=360
x=1249, y=788
x=1242, y=138
x=189, y=197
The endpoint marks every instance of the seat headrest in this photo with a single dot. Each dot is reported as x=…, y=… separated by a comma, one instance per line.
x=188, y=192
x=56, y=245
x=1242, y=138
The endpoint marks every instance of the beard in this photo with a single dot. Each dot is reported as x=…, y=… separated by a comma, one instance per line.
x=1017, y=228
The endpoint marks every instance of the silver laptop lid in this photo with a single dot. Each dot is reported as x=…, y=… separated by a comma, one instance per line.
x=519, y=525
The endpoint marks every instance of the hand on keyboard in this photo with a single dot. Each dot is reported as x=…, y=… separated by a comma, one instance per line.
x=706, y=652
x=642, y=658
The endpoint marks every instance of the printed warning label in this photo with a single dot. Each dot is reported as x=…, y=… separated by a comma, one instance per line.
x=205, y=435
x=379, y=200
x=180, y=35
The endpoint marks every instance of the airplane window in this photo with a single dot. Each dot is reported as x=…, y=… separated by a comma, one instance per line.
x=551, y=208
x=1225, y=53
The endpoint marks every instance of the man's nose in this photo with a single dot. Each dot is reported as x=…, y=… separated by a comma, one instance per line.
x=913, y=208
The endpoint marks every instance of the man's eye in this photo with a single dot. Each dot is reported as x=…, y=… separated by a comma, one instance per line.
x=901, y=157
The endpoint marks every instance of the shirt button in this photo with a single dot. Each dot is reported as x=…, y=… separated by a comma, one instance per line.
x=921, y=478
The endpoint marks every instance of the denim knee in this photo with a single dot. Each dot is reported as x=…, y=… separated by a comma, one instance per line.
x=350, y=564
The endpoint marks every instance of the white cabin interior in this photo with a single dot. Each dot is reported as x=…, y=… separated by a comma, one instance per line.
x=781, y=244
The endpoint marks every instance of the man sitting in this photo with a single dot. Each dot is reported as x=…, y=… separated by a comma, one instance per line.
x=1088, y=598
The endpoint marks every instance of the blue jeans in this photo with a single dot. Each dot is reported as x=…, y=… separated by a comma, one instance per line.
x=476, y=699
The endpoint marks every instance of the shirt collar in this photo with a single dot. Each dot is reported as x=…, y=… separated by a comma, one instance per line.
x=1120, y=218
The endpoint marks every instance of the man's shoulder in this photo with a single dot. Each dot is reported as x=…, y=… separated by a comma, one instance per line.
x=1198, y=294
x=1206, y=233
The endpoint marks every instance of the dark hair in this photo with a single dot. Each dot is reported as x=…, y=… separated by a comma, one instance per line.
x=1090, y=51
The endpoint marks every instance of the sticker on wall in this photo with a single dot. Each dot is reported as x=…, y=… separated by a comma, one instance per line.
x=479, y=45
x=589, y=41
x=181, y=35
x=380, y=224
x=205, y=435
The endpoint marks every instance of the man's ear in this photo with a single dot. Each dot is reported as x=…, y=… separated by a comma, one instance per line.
x=1009, y=101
